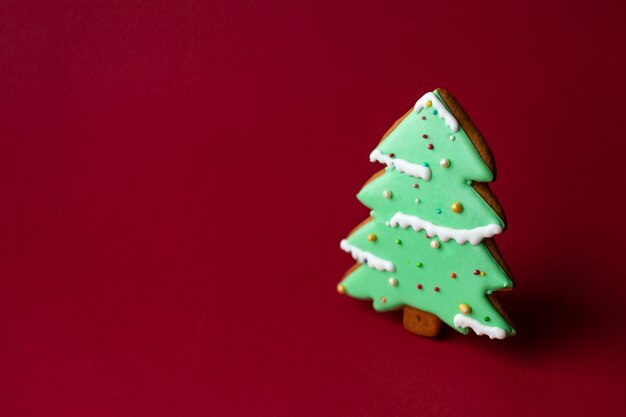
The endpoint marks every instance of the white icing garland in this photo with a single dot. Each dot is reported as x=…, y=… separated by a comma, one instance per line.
x=367, y=258
x=415, y=170
x=441, y=110
x=474, y=236
x=479, y=328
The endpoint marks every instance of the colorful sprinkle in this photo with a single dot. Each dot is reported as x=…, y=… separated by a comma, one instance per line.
x=452, y=275
x=435, y=112
x=438, y=211
x=482, y=273
x=393, y=282
x=372, y=237
x=419, y=286
x=425, y=164
x=423, y=117
x=436, y=289
x=456, y=207
x=444, y=163
x=424, y=136
x=465, y=309
x=391, y=155
x=429, y=103
x=435, y=244
x=417, y=200
x=487, y=318
x=427, y=236
x=416, y=186
x=452, y=138
x=341, y=289
x=398, y=242
x=418, y=264
x=387, y=194
x=476, y=272
x=383, y=299
x=430, y=146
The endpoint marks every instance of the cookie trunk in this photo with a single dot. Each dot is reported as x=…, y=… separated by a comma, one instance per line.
x=420, y=322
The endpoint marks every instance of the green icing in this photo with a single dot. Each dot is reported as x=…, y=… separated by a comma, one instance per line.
x=416, y=262
x=406, y=143
x=435, y=198
x=435, y=268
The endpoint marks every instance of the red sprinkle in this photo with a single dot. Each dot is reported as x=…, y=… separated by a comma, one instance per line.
x=427, y=236
x=423, y=118
x=424, y=135
x=415, y=186
x=391, y=155
x=476, y=272
x=430, y=146
x=436, y=289
x=452, y=275
x=419, y=286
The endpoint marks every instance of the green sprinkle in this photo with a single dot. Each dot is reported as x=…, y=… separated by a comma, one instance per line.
x=487, y=318
x=398, y=242
x=418, y=264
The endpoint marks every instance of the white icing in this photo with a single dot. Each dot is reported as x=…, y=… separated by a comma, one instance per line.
x=367, y=258
x=415, y=170
x=479, y=328
x=474, y=236
x=441, y=110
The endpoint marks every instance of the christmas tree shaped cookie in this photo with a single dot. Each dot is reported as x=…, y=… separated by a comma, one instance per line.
x=427, y=246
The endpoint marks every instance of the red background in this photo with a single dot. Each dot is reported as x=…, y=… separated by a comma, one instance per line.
x=175, y=179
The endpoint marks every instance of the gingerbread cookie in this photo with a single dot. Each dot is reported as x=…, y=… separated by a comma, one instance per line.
x=428, y=247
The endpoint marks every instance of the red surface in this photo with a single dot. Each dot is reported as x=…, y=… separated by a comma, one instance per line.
x=175, y=180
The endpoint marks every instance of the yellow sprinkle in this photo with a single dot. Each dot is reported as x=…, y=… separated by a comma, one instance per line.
x=465, y=309
x=429, y=103
x=341, y=289
x=456, y=207
x=482, y=273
